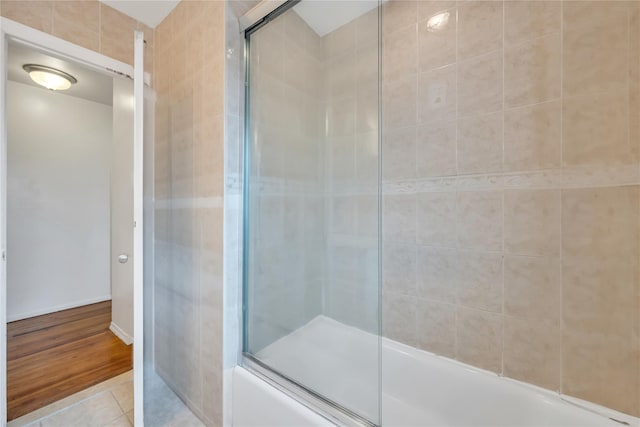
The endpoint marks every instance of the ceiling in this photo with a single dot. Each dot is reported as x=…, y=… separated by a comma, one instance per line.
x=326, y=16
x=92, y=85
x=149, y=12
x=240, y=7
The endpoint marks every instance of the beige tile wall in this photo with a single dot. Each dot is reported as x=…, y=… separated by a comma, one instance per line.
x=87, y=23
x=189, y=186
x=512, y=190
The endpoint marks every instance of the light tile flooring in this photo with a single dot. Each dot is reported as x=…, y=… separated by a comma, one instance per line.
x=162, y=406
x=110, y=403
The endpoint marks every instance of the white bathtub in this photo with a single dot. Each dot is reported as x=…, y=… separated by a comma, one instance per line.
x=419, y=388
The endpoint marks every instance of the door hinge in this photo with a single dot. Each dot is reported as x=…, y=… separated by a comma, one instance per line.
x=4, y=255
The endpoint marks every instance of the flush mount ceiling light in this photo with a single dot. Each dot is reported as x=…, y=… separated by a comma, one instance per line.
x=438, y=22
x=48, y=77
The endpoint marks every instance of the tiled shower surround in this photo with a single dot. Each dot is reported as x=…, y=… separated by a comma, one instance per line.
x=189, y=188
x=511, y=190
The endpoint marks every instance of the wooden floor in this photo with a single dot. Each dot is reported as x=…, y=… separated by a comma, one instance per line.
x=56, y=355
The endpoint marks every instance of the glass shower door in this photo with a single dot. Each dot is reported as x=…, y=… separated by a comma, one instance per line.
x=311, y=270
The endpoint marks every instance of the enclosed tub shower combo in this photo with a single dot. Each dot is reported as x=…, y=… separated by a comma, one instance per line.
x=441, y=214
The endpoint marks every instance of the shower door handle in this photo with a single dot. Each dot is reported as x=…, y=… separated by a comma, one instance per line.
x=123, y=258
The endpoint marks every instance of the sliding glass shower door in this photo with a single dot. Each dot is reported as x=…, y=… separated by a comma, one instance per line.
x=311, y=268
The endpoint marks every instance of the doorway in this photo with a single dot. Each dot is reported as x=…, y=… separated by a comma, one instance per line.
x=87, y=308
x=69, y=210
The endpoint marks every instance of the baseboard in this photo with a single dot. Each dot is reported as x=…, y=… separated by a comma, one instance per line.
x=50, y=310
x=124, y=337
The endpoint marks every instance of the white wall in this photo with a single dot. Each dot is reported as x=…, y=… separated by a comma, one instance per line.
x=58, y=201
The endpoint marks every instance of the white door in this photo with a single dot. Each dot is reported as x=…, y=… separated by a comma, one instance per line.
x=3, y=230
x=126, y=217
x=122, y=210
x=138, y=203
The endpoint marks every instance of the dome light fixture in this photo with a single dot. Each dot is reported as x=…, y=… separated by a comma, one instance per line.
x=51, y=78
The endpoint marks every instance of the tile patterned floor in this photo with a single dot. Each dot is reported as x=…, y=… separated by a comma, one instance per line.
x=162, y=406
x=110, y=404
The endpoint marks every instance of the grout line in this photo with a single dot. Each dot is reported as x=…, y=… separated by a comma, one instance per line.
x=100, y=28
x=122, y=413
x=480, y=55
x=457, y=65
x=561, y=167
x=503, y=191
x=415, y=127
x=636, y=293
x=117, y=402
x=628, y=66
x=414, y=244
x=637, y=287
x=455, y=206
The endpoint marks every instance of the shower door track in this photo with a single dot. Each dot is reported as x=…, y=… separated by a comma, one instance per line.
x=333, y=412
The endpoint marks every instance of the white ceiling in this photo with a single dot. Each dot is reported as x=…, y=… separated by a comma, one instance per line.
x=326, y=16
x=92, y=85
x=149, y=12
